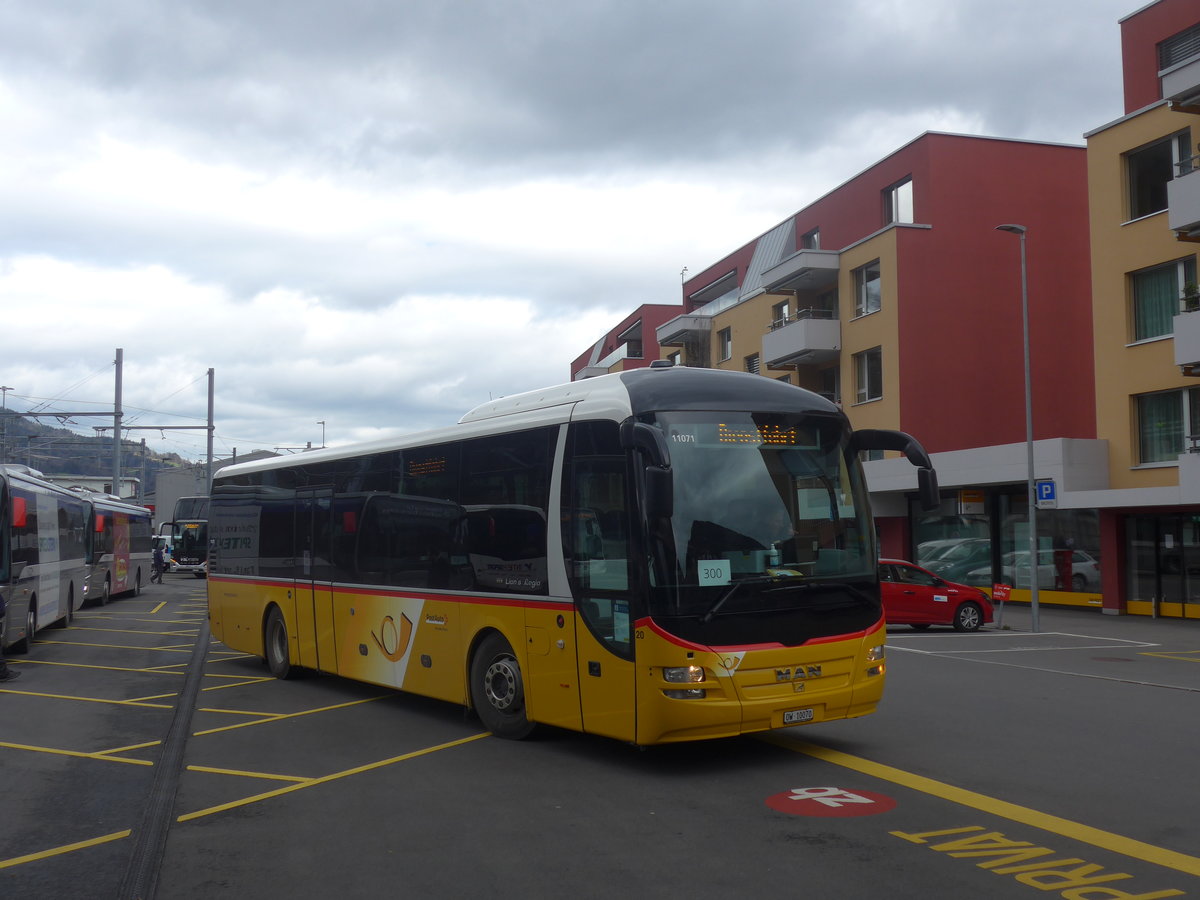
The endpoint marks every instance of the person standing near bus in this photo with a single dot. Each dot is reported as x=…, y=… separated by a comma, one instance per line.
x=6, y=673
x=156, y=571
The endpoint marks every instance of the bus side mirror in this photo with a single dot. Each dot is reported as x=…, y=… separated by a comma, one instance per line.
x=882, y=439
x=660, y=493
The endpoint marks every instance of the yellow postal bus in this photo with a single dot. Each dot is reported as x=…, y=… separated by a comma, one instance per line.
x=664, y=554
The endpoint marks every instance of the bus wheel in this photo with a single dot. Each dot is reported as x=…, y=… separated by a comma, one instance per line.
x=23, y=645
x=106, y=592
x=275, y=644
x=137, y=584
x=66, y=620
x=498, y=690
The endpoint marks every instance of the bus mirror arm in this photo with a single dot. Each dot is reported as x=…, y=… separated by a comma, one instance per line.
x=881, y=439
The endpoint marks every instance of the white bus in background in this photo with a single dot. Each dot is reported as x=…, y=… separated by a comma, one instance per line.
x=119, y=548
x=43, y=549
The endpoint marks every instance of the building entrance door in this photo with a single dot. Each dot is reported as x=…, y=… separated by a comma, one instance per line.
x=1163, y=556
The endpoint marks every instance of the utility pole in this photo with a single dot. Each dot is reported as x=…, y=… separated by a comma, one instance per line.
x=4, y=389
x=117, y=426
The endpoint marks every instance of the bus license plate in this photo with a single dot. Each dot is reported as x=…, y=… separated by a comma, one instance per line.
x=792, y=716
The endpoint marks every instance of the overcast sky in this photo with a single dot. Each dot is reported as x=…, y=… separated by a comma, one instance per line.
x=381, y=214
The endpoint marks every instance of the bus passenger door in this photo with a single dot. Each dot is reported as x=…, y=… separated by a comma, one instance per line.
x=597, y=552
x=314, y=577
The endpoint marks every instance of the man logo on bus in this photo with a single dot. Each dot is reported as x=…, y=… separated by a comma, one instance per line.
x=391, y=640
x=798, y=673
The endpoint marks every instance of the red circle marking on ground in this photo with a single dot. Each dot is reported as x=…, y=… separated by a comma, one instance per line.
x=831, y=802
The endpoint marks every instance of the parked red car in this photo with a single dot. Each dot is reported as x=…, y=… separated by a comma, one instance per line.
x=915, y=596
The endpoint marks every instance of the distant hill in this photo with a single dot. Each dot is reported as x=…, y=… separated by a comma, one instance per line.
x=60, y=451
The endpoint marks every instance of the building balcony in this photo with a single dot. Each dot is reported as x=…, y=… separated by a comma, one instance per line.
x=1181, y=85
x=1187, y=342
x=804, y=270
x=681, y=329
x=606, y=365
x=812, y=337
x=1183, y=203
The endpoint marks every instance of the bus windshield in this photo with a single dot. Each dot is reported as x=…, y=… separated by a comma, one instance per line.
x=763, y=502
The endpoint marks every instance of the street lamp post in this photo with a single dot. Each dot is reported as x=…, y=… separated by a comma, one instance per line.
x=1030, y=485
x=322, y=424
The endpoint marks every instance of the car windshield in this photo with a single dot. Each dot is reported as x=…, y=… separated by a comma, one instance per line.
x=767, y=509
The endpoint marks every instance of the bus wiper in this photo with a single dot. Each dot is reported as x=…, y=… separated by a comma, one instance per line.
x=733, y=589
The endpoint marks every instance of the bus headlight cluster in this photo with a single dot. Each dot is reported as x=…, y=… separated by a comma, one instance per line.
x=684, y=675
x=875, y=655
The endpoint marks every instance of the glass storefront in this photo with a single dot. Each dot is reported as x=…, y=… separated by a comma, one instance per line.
x=1162, y=561
x=981, y=538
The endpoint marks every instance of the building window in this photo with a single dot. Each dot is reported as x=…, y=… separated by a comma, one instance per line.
x=779, y=314
x=898, y=202
x=676, y=358
x=1179, y=47
x=868, y=375
x=1150, y=168
x=1155, y=296
x=752, y=364
x=867, y=291
x=725, y=344
x=831, y=384
x=786, y=379
x=811, y=240
x=1164, y=420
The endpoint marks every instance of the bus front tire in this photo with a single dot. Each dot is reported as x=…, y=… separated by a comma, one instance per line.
x=275, y=644
x=498, y=690
x=106, y=593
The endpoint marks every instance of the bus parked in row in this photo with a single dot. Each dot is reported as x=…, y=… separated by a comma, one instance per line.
x=118, y=547
x=43, y=555
x=663, y=554
x=189, y=536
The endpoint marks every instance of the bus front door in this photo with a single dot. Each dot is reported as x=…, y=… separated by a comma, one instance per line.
x=314, y=579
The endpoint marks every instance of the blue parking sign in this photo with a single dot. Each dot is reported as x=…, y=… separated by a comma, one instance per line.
x=1046, y=492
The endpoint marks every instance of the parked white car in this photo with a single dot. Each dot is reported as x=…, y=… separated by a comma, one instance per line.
x=1085, y=571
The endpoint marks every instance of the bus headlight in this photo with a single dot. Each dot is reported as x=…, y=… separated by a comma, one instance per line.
x=684, y=675
x=875, y=655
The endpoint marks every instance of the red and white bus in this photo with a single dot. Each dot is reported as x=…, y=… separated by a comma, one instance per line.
x=119, y=547
x=664, y=554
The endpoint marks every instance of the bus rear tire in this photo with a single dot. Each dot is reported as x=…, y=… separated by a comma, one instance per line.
x=66, y=620
x=23, y=645
x=498, y=690
x=275, y=645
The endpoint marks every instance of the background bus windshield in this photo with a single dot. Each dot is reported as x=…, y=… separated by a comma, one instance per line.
x=764, y=499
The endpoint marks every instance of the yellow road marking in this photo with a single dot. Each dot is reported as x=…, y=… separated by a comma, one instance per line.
x=1074, y=830
x=114, y=646
x=54, y=751
x=156, y=670
x=272, y=717
x=68, y=848
x=215, y=771
x=1180, y=655
x=141, y=746
x=325, y=779
x=90, y=699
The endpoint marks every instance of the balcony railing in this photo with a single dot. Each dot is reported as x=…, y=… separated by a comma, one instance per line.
x=1183, y=200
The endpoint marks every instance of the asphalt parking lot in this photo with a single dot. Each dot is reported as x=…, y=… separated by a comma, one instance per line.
x=142, y=759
